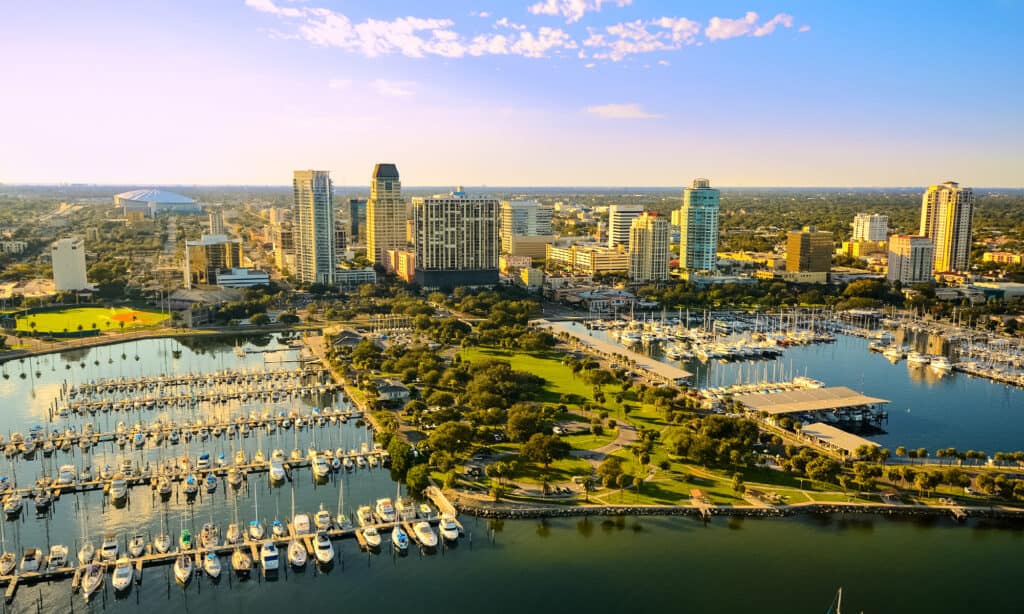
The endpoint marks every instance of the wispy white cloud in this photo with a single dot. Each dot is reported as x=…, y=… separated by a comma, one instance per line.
x=571, y=10
x=419, y=37
x=339, y=84
x=620, y=111
x=664, y=63
x=616, y=42
x=804, y=29
x=721, y=28
x=393, y=89
x=480, y=14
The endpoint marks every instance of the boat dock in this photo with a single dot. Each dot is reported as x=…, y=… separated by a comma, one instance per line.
x=151, y=558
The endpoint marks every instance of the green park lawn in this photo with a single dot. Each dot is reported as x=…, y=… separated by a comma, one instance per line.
x=548, y=365
x=88, y=318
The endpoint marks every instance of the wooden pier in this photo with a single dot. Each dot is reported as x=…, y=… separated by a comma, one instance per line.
x=151, y=558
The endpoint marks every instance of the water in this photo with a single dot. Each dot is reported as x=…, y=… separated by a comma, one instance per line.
x=925, y=410
x=599, y=565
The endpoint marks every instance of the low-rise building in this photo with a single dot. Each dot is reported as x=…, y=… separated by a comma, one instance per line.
x=240, y=277
x=589, y=259
x=1002, y=257
x=351, y=277
x=531, y=279
x=13, y=247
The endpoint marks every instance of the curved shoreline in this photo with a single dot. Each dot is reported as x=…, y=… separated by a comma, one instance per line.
x=506, y=512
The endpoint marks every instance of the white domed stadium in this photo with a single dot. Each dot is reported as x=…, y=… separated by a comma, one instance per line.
x=154, y=202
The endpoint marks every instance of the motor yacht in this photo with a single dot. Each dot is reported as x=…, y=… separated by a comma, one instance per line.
x=448, y=528
x=384, y=510
x=121, y=579
x=31, y=560
x=322, y=548
x=372, y=536
x=136, y=545
x=425, y=534
x=322, y=519
x=109, y=549
x=269, y=557
x=58, y=557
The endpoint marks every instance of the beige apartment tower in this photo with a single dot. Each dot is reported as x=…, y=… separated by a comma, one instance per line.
x=809, y=251
x=947, y=218
x=385, y=214
x=648, y=248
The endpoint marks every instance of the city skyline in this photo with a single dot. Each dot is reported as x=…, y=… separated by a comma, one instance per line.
x=792, y=95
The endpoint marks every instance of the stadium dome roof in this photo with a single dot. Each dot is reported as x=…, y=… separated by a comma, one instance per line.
x=155, y=196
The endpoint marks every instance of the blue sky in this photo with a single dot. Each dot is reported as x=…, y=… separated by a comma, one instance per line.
x=531, y=92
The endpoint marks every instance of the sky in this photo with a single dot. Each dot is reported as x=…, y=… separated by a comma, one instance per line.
x=513, y=92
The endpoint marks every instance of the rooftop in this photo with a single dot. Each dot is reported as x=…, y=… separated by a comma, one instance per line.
x=803, y=400
x=154, y=196
x=836, y=438
x=385, y=170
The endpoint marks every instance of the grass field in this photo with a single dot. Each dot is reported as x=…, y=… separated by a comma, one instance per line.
x=88, y=318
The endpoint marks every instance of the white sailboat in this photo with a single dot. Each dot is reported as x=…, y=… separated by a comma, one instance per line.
x=92, y=579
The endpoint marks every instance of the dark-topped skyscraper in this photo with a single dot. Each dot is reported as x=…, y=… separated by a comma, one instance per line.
x=385, y=214
x=313, y=230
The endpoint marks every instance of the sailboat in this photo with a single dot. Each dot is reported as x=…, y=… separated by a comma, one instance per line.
x=297, y=554
x=341, y=519
x=91, y=580
x=837, y=603
x=399, y=539
x=123, y=574
x=241, y=562
x=255, y=526
x=162, y=542
x=7, y=559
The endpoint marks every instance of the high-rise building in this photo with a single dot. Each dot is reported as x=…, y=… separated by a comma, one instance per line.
x=620, y=217
x=357, y=220
x=208, y=256
x=68, y=258
x=313, y=227
x=698, y=227
x=809, y=251
x=456, y=240
x=340, y=240
x=910, y=259
x=217, y=222
x=648, y=248
x=870, y=227
x=385, y=214
x=525, y=227
x=947, y=218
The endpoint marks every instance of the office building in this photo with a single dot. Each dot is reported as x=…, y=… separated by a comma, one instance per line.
x=340, y=239
x=589, y=259
x=68, y=258
x=356, y=220
x=648, y=249
x=620, y=217
x=947, y=218
x=403, y=263
x=385, y=214
x=216, y=219
x=205, y=258
x=809, y=251
x=241, y=277
x=456, y=240
x=698, y=227
x=870, y=227
x=525, y=227
x=910, y=259
x=313, y=227
x=352, y=277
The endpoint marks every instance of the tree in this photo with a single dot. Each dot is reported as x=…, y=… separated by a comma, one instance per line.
x=609, y=469
x=417, y=479
x=451, y=437
x=737, y=483
x=399, y=452
x=900, y=451
x=260, y=319
x=544, y=449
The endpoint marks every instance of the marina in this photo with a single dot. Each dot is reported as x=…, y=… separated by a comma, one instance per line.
x=190, y=442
